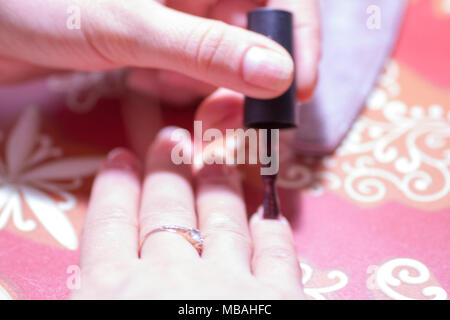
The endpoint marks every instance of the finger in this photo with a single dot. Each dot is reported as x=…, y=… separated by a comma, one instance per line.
x=172, y=88
x=167, y=198
x=142, y=121
x=217, y=53
x=110, y=233
x=274, y=257
x=148, y=84
x=223, y=217
x=234, y=11
x=198, y=7
x=178, y=80
x=144, y=82
x=307, y=42
x=146, y=34
x=13, y=71
x=222, y=110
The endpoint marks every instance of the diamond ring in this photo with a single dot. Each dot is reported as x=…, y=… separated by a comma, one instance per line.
x=193, y=236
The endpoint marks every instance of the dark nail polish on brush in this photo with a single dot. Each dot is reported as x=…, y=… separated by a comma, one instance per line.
x=277, y=113
x=271, y=208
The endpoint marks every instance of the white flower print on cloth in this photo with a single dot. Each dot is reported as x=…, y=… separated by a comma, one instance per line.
x=4, y=295
x=404, y=279
x=35, y=177
x=83, y=90
x=396, y=150
x=319, y=284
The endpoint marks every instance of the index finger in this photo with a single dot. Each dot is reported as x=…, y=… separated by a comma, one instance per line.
x=307, y=42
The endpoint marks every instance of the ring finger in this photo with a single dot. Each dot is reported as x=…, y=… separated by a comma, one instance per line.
x=223, y=217
x=167, y=199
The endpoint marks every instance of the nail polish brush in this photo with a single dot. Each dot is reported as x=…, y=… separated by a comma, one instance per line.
x=277, y=113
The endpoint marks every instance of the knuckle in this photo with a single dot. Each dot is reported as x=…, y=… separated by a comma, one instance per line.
x=177, y=211
x=210, y=45
x=280, y=253
x=106, y=31
x=112, y=215
x=166, y=214
x=231, y=229
x=104, y=275
x=164, y=205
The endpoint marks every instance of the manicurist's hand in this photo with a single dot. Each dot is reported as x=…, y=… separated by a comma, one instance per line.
x=197, y=38
x=121, y=258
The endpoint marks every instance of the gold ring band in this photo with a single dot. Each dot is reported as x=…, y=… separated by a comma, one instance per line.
x=192, y=235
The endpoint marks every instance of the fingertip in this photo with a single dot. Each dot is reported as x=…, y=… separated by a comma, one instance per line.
x=171, y=151
x=306, y=88
x=267, y=69
x=308, y=56
x=167, y=138
x=171, y=133
x=307, y=75
x=222, y=110
x=257, y=220
x=122, y=160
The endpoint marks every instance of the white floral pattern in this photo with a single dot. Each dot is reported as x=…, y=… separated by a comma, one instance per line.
x=318, y=291
x=395, y=273
x=84, y=89
x=32, y=174
x=405, y=149
x=414, y=171
x=4, y=295
x=445, y=5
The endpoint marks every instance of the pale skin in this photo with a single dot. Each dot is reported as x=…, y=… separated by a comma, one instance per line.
x=196, y=38
x=179, y=49
x=240, y=259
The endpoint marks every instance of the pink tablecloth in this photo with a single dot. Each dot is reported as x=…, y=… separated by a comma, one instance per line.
x=371, y=221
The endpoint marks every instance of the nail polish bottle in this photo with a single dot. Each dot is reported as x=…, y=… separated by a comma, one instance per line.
x=277, y=113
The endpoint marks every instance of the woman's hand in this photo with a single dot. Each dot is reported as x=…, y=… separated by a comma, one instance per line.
x=239, y=261
x=35, y=40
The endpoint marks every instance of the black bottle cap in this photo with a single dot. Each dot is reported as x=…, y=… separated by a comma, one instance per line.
x=278, y=113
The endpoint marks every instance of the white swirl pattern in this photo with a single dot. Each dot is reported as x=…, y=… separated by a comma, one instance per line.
x=84, y=89
x=386, y=279
x=318, y=293
x=4, y=295
x=412, y=176
x=409, y=150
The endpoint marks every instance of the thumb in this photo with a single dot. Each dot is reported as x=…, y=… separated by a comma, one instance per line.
x=153, y=35
x=146, y=34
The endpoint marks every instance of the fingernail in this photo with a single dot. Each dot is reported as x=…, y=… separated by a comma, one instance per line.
x=267, y=69
x=258, y=216
x=172, y=144
x=170, y=136
x=167, y=133
x=122, y=159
